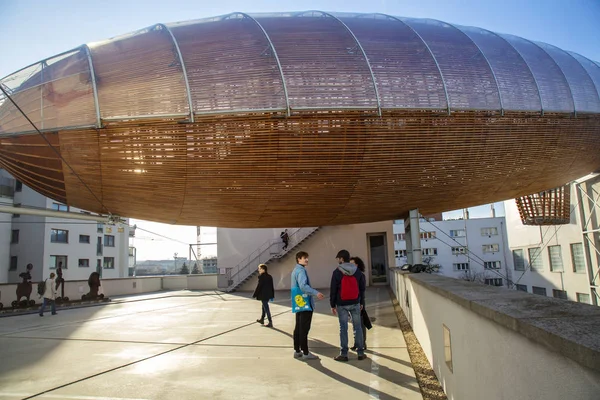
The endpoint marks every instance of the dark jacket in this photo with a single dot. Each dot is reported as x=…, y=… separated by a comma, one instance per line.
x=264, y=290
x=336, y=285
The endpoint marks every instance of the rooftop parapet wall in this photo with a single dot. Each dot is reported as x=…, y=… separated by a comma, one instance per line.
x=505, y=344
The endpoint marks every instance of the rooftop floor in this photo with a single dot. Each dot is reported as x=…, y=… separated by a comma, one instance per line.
x=197, y=345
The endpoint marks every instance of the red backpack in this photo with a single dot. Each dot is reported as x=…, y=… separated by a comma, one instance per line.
x=349, y=290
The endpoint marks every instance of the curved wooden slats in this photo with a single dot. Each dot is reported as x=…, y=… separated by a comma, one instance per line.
x=469, y=79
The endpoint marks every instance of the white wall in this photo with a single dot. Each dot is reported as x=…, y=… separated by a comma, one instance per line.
x=525, y=237
x=5, y=234
x=489, y=360
x=474, y=240
x=322, y=248
x=236, y=244
x=202, y=282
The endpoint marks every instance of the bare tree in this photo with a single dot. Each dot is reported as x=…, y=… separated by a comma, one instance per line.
x=474, y=276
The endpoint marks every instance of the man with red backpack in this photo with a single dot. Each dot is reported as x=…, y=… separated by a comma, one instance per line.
x=347, y=299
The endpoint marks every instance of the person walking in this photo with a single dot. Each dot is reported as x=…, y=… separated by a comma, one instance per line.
x=347, y=298
x=285, y=238
x=264, y=292
x=364, y=317
x=303, y=306
x=49, y=295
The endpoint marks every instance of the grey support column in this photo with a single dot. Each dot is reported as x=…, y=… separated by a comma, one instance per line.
x=412, y=231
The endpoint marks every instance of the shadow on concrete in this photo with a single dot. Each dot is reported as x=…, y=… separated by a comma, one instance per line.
x=329, y=350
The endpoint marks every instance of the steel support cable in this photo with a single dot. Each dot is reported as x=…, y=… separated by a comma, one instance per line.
x=55, y=150
x=469, y=251
x=430, y=52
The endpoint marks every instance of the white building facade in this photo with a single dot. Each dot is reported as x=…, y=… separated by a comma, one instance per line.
x=473, y=249
x=558, y=260
x=81, y=246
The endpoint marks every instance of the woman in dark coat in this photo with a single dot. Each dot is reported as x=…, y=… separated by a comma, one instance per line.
x=264, y=292
x=366, y=322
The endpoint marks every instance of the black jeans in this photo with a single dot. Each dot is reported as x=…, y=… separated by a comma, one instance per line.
x=265, y=310
x=303, y=320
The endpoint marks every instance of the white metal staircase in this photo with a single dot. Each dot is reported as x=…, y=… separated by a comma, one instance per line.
x=268, y=251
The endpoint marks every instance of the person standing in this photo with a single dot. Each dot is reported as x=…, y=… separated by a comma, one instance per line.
x=49, y=295
x=347, y=298
x=285, y=238
x=364, y=317
x=301, y=288
x=264, y=292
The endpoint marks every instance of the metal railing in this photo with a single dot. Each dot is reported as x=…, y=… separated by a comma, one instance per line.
x=269, y=250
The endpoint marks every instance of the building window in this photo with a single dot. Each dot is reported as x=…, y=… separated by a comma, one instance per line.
x=490, y=248
x=109, y=241
x=429, y=252
x=14, y=236
x=60, y=207
x=535, y=259
x=559, y=294
x=538, y=290
x=460, y=266
x=447, y=348
x=494, y=281
x=522, y=288
x=459, y=250
x=583, y=298
x=13, y=263
x=400, y=253
x=100, y=228
x=55, y=260
x=84, y=263
x=555, y=254
x=457, y=233
x=519, y=260
x=493, y=231
x=577, y=257
x=18, y=186
x=491, y=265
x=109, y=263
x=84, y=239
x=59, y=236
x=427, y=235
x=399, y=237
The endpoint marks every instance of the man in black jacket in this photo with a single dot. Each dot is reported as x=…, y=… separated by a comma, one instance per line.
x=347, y=298
x=264, y=292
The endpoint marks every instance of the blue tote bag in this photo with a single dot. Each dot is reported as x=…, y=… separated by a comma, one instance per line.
x=300, y=301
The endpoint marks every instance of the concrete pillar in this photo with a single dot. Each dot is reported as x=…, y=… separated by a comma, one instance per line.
x=413, y=238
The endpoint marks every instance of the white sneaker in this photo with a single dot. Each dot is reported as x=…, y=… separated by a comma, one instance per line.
x=298, y=354
x=309, y=356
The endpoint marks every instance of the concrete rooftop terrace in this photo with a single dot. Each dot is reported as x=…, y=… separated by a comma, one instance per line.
x=197, y=345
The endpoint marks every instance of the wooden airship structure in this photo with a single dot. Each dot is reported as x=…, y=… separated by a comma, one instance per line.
x=300, y=119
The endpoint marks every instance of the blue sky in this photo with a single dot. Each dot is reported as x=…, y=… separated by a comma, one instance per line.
x=33, y=30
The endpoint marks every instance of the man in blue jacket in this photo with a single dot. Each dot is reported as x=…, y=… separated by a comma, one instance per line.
x=347, y=298
x=303, y=318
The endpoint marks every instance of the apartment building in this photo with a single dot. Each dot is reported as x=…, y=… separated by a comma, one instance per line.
x=559, y=260
x=472, y=249
x=81, y=246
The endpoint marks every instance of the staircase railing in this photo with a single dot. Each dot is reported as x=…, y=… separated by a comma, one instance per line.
x=269, y=250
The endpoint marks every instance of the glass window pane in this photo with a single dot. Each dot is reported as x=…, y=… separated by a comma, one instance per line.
x=535, y=259
x=577, y=257
x=555, y=254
